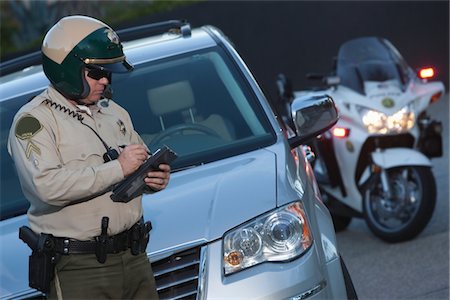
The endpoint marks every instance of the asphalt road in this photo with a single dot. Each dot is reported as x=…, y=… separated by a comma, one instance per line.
x=417, y=269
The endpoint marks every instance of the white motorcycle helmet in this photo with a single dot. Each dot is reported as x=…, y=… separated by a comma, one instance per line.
x=75, y=43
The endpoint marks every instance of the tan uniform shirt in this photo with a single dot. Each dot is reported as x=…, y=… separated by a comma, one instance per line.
x=61, y=168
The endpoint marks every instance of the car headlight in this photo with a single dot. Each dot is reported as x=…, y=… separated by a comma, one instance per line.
x=378, y=122
x=280, y=235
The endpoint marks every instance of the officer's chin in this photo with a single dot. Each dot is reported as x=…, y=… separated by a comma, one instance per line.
x=93, y=99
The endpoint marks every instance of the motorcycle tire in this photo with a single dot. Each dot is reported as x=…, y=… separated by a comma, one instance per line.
x=340, y=222
x=420, y=186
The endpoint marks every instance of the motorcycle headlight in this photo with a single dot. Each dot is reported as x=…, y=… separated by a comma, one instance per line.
x=378, y=122
x=280, y=235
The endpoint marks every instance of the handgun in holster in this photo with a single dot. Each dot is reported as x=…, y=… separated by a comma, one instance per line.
x=139, y=237
x=42, y=260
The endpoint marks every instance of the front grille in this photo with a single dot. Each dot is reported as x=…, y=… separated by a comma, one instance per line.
x=177, y=276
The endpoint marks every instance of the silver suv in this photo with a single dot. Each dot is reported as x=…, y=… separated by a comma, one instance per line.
x=242, y=216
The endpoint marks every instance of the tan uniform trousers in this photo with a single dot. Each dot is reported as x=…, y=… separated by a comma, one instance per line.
x=122, y=276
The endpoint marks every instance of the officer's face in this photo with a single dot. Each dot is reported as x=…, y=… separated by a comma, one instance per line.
x=96, y=85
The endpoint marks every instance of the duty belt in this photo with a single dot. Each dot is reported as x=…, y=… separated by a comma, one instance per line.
x=47, y=249
x=114, y=244
x=135, y=238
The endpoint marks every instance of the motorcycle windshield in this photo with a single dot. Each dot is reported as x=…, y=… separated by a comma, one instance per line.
x=370, y=59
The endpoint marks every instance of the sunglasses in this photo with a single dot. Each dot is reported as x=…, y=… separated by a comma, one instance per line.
x=98, y=74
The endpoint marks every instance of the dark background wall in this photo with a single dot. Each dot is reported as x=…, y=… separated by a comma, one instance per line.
x=297, y=37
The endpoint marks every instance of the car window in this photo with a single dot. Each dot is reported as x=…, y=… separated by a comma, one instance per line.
x=12, y=200
x=196, y=103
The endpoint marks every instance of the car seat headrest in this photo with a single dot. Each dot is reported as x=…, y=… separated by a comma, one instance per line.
x=170, y=98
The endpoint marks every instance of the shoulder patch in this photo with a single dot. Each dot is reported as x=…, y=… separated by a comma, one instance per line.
x=27, y=127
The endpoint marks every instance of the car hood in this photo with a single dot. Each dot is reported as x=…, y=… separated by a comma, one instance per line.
x=202, y=203
x=199, y=205
x=13, y=260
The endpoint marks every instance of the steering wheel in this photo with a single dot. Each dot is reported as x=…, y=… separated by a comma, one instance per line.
x=179, y=129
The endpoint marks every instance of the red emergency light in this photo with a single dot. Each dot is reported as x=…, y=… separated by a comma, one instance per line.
x=341, y=132
x=426, y=73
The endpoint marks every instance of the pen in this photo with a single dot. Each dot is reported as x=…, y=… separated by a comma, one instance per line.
x=123, y=146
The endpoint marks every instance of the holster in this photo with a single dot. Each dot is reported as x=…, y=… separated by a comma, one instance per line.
x=102, y=242
x=139, y=237
x=42, y=260
x=136, y=238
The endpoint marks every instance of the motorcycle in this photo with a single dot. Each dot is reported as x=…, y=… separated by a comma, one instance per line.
x=375, y=162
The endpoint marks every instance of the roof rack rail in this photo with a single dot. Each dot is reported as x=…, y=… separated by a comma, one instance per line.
x=20, y=63
x=176, y=26
x=34, y=58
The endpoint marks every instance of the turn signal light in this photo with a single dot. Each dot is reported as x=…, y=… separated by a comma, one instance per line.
x=341, y=132
x=426, y=73
x=435, y=97
x=234, y=258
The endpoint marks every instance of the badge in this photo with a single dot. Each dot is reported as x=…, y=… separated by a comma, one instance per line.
x=349, y=146
x=26, y=128
x=387, y=102
x=112, y=36
x=122, y=127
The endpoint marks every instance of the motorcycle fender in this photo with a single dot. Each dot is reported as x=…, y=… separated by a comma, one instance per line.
x=397, y=157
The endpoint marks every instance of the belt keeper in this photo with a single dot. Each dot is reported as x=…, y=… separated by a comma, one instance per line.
x=66, y=246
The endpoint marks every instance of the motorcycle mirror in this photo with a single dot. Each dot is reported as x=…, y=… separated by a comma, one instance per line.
x=312, y=115
x=328, y=80
x=284, y=87
x=314, y=76
x=332, y=80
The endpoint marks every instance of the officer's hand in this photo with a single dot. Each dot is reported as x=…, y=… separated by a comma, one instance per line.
x=158, y=180
x=131, y=157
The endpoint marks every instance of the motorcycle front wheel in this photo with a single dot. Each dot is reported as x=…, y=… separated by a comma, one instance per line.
x=405, y=214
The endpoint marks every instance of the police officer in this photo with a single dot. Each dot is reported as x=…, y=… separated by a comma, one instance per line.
x=67, y=151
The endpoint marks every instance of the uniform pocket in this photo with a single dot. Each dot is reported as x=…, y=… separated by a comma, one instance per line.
x=76, y=153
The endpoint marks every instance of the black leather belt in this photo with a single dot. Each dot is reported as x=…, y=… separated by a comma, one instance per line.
x=138, y=233
x=115, y=244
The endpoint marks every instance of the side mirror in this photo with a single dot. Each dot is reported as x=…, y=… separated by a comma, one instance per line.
x=312, y=115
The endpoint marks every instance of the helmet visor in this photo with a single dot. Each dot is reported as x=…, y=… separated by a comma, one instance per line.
x=113, y=65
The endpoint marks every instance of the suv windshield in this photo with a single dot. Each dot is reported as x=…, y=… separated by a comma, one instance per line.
x=196, y=103
x=370, y=59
